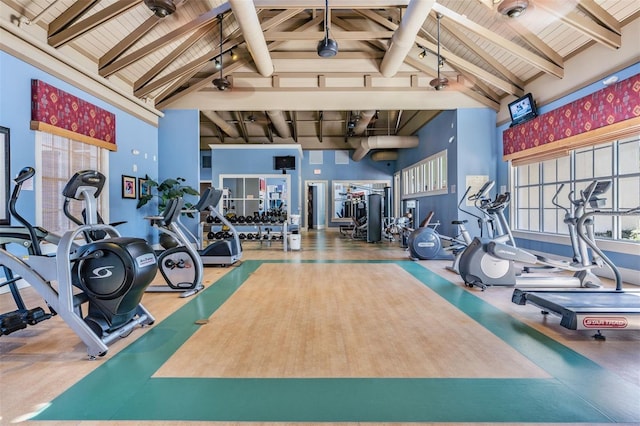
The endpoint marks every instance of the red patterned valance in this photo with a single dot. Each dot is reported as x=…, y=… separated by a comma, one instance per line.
x=58, y=112
x=606, y=107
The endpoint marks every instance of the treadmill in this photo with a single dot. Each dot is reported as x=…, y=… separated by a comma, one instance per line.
x=590, y=309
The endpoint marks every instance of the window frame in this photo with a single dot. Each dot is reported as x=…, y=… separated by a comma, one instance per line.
x=613, y=197
x=426, y=178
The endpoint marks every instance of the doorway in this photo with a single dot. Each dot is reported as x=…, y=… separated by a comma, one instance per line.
x=316, y=204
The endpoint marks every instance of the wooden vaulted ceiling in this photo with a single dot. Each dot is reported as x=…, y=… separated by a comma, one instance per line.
x=283, y=92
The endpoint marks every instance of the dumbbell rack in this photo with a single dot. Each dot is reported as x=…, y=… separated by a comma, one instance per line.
x=261, y=229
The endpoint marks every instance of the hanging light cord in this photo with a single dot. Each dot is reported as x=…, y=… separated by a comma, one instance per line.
x=439, y=58
x=221, y=61
x=326, y=20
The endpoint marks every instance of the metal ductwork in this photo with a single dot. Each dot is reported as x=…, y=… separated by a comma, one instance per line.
x=384, y=156
x=383, y=142
x=279, y=123
x=231, y=131
x=405, y=36
x=363, y=122
x=245, y=14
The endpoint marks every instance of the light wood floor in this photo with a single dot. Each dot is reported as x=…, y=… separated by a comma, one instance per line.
x=383, y=322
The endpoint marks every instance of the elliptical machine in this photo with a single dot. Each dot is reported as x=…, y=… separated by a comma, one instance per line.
x=222, y=252
x=180, y=265
x=492, y=262
x=425, y=243
x=111, y=273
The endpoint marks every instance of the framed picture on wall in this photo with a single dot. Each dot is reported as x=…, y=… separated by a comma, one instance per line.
x=128, y=187
x=143, y=187
x=5, y=177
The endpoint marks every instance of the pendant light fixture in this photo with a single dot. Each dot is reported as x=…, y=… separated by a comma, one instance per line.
x=327, y=47
x=440, y=82
x=221, y=83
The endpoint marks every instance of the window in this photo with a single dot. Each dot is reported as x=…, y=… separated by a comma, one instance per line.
x=428, y=177
x=58, y=159
x=537, y=183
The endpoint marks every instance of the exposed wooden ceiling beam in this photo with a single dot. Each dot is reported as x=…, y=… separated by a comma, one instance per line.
x=192, y=65
x=195, y=86
x=116, y=51
x=586, y=26
x=451, y=58
x=164, y=62
x=170, y=37
x=69, y=16
x=595, y=10
x=541, y=63
x=534, y=41
x=453, y=30
x=98, y=18
x=242, y=125
x=318, y=35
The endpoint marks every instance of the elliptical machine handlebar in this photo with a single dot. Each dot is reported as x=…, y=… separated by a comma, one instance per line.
x=25, y=174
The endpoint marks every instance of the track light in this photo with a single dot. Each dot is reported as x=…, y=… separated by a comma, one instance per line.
x=234, y=56
x=422, y=54
x=217, y=63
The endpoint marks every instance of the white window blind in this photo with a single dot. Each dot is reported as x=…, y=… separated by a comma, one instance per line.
x=58, y=159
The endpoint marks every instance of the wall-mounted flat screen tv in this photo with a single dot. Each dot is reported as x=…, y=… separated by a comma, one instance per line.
x=286, y=162
x=522, y=109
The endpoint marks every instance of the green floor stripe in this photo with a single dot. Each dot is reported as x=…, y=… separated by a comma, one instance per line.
x=614, y=396
x=581, y=391
x=360, y=400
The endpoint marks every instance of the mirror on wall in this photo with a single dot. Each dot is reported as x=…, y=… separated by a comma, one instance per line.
x=350, y=197
x=249, y=195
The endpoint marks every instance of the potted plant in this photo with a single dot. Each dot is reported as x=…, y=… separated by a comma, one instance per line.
x=165, y=191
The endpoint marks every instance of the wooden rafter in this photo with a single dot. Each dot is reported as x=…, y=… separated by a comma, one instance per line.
x=452, y=59
x=170, y=37
x=604, y=17
x=69, y=16
x=116, y=51
x=76, y=30
x=453, y=30
x=175, y=53
x=586, y=26
x=539, y=62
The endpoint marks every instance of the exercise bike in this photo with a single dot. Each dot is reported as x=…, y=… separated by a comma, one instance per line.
x=426, y=243
x=492, y=262
x=111, y=273
x=180, y=265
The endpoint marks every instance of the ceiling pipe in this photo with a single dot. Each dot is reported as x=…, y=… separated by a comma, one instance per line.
x=230, y=130
x=384, y=156
x=363, y=123
x=247, y=18
x=279, y=123
x=383, y=142
x=405, y=36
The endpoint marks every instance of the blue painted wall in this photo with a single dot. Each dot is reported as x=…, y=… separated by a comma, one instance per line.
x=255, y=162
x=468, y=135
x=131, y=133
x=365, y=169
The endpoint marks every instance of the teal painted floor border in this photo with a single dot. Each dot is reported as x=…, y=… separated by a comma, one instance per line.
x=123, y=388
